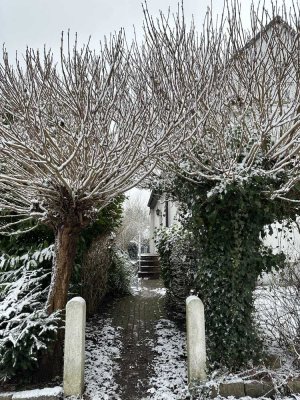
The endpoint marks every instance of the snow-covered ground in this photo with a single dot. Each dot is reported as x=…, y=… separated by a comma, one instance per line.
x=170, y=379
x=103, y=349
x=169, y=375
x=278, y=315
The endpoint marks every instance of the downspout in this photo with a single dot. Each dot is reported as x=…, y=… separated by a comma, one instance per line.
x=167, y=214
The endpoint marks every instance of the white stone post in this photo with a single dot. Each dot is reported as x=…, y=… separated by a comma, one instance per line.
x=74, y=354
x=196, y=349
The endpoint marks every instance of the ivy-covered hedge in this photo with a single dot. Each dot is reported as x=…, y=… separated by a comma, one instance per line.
x=227, y=223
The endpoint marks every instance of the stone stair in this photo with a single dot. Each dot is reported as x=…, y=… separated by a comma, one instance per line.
x=149, y=266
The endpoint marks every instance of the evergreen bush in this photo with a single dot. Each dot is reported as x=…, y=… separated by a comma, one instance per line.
x=178, y=262
x=120, y=273
x=133, y=250
x=26, y=330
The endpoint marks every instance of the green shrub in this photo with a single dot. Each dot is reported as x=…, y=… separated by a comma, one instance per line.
x=120, y=273
x=26, y=331
x=178, y=261
x=133, y=250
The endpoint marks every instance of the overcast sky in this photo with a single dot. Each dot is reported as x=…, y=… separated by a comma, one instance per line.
x=38, y=22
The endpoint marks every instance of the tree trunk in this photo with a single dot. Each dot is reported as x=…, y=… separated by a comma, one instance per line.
x=66, y=237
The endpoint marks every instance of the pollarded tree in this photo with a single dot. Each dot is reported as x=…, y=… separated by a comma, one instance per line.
x=76, y=134
x=251, y=124
x=240, y=171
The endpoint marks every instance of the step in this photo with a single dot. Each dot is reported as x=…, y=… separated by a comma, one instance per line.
x=154, y=263
x=149, y=260
x=149, y=268
x=149, y=256
x=150, y=275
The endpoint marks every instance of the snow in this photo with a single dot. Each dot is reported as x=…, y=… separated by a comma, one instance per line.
x=159, y=291
x=103, y=348
x=170, y=379
x=169, y=370
x=294, y=397
x=37, y=393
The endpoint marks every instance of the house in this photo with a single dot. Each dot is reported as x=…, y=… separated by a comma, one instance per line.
x=162, y=214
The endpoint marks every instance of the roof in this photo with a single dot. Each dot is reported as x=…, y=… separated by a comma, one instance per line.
x=278, y=20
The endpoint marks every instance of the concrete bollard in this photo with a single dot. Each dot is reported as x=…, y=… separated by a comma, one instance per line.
x=74, y=354
x=196, y=349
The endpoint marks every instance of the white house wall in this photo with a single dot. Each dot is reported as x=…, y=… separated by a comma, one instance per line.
x=285, y=240
x=158, y=218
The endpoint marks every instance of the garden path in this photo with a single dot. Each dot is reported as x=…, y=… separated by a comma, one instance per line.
x=132, y=321
x=138, y=315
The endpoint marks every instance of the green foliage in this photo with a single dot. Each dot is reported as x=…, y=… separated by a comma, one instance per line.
x=26, y=331
x=179, y=262
x=120, y=273
x=109, y=219
x=41, y=236
x=227, y=223
x=133, y=250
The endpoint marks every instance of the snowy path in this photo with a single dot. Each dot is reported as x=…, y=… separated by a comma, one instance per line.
x=134, y=352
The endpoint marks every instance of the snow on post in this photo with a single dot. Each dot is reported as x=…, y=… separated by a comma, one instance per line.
x=196, y=349
x=74, y=354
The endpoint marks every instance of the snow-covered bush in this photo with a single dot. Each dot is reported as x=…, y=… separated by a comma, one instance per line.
x=278, y=311
x=26, y=330
x=178, y=258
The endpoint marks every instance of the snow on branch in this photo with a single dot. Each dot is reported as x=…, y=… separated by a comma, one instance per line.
x=76, y=134
x=245, y=88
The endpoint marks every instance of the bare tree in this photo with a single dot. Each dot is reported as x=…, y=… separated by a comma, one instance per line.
x=73, y=136
x=76, y=135
x=251, y=105
x=242, y=155
x=135, y=221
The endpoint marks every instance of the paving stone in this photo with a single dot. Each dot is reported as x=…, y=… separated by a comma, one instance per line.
x=235, y=389
x=257, y=389
x=39, y=394
x=137, y=316
x=6, y=396
x=213, y=392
